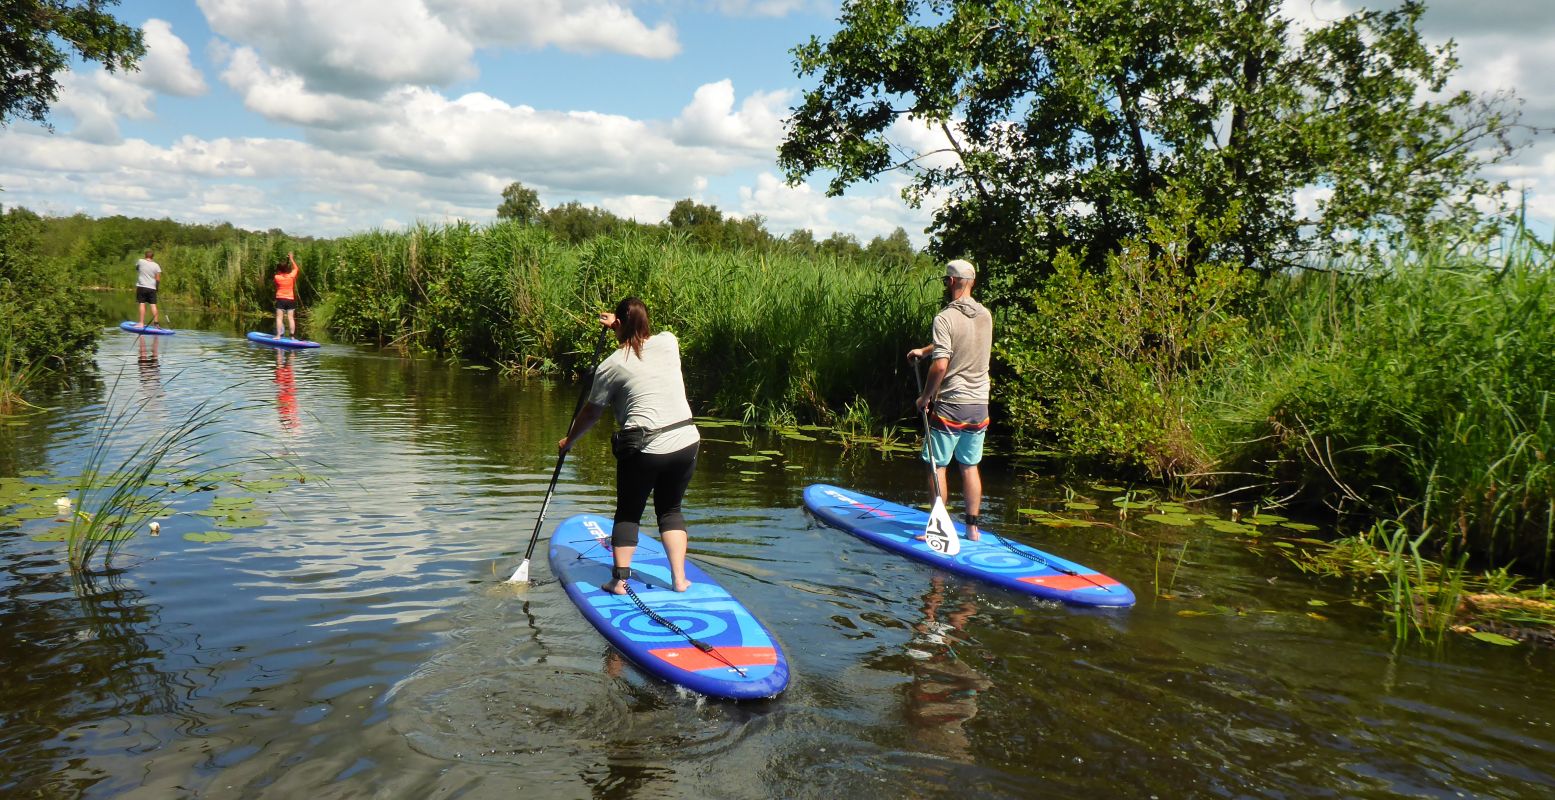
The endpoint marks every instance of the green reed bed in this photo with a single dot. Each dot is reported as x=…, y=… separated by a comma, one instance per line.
x=775, y=332
x=1419, y=392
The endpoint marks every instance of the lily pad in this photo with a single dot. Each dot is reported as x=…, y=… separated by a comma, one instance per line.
x=1223, y=526
x=1266, y=519
x=1177, y=520
x=33, y=473
x=1079, y=506
x=1494, y=638
x=1286, y=545
x=1064, y=522
x=231, y=502
x=1102, y=487
x=770, y=452
x=1172, y=508
x=1033, y=512
x=793, y=466
x=750, y=459
x=749, y=472
x=799, y=437
x=1188, y=612
x=262, y=486
x=1298, y=526
x=59, y=534
x=208, y=537
x=246, y=519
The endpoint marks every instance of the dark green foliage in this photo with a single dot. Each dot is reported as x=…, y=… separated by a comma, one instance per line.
x=1070, y=120
x=38, y=38
x=43, y=315
x=1107, y=364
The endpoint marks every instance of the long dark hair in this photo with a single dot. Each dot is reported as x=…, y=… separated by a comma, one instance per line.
x=632, y=328
x=283, y=267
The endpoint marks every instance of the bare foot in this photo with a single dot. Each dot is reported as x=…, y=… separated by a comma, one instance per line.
x=682, y=585
x=973, y=533
x=615, y=587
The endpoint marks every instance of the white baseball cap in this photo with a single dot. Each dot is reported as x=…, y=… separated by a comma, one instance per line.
x=960, y=269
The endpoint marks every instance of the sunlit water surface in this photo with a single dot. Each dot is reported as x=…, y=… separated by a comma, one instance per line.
x=363, y=642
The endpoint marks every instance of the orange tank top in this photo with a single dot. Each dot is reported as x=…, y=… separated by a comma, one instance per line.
x=286, y=286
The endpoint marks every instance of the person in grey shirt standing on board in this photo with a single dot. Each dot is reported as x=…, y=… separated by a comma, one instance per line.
x=956, y=390
x=148, y=277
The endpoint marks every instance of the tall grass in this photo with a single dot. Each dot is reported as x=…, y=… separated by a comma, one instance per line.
x=1418, y=391
x=778, y=332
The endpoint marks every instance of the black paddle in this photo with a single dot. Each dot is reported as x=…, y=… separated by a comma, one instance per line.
x=521, y=575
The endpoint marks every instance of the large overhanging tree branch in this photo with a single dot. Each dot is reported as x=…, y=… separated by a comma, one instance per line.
x=1072, y=120
x=37, y=39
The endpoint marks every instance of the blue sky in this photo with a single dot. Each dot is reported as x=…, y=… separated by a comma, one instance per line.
x=324, y=117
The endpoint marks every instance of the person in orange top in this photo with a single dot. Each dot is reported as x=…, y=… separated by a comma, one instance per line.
x=286, y=296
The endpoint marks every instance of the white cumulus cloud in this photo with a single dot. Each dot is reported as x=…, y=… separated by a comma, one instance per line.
x=166, y=67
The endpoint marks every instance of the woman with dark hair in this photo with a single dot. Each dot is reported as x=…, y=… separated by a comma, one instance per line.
x=656, y=446
x=286, y=274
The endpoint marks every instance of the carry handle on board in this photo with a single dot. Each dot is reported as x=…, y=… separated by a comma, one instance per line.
x=940, y=533
x=521, y=575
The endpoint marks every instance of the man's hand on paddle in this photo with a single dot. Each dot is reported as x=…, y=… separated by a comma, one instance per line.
x=921, y=352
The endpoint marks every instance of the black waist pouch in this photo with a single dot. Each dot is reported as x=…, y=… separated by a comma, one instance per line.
x=632, y=440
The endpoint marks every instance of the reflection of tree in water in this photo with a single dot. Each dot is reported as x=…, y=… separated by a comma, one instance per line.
x=942, y=695
x=79, y=652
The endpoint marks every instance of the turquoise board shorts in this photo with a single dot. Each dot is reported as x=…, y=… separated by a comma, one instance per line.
x=966, y=447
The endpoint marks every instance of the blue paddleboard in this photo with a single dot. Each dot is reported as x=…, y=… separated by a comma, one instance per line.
x=741, y=661
x=278, y=341
x=148, y=330
x=992, y=558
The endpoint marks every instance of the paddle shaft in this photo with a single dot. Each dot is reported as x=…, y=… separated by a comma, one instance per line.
x=928, y=446
x=562, y=456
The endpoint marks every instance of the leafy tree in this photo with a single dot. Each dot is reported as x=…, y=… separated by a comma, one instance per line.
x=1067, y=121
x=574, y=222
x=688, y=213
x=895, y=250
x=37, y=41
x=519, y=203
x=841, y=245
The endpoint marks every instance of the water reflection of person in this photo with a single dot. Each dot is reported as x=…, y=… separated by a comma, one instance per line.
x=286, y=392
x=149, y=361
x=943, y=693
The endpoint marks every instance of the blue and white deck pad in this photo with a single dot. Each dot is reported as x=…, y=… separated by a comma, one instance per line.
x=740, y=661
x=992, y=558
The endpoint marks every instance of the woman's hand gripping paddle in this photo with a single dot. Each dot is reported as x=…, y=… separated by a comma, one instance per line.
x=940, y=533
x=521, y=575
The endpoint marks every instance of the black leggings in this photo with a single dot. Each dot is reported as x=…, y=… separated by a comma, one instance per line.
x=666, y=475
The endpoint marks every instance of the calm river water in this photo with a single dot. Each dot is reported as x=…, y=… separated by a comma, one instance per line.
x=362, y=643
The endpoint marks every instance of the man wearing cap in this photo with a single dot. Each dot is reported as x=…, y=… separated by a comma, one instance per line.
x=956, y=391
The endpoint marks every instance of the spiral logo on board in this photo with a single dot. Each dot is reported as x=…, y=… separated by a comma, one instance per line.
x=996, y=561
x=696, y=624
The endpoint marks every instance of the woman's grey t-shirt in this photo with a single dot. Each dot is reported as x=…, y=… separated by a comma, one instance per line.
x=647, y=392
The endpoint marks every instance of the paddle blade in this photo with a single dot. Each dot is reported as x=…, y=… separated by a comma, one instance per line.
x=940, y=534
x=521, y=575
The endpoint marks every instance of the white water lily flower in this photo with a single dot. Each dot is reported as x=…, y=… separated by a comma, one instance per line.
x=63, y=504
x=156, y=528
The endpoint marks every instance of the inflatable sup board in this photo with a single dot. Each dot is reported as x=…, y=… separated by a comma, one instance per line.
x=993, y=558
x=722, y=649
x=279, y=341
x=148, y=330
